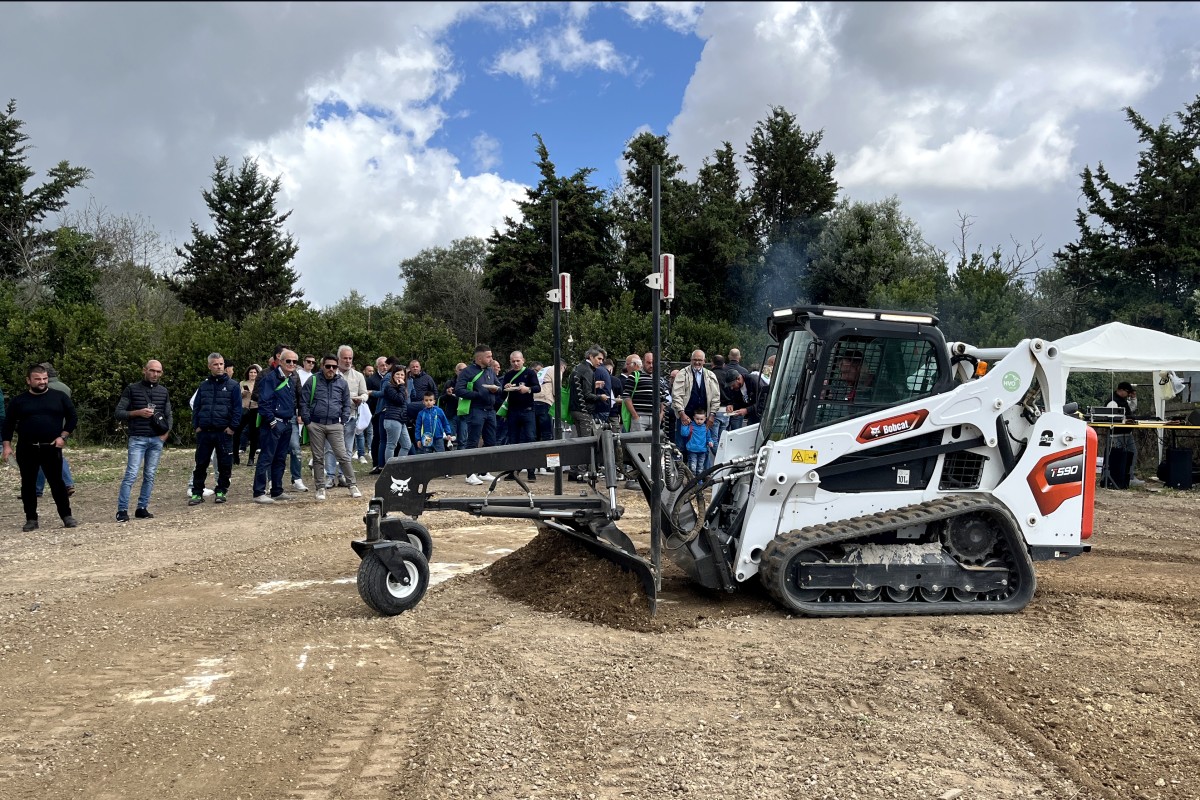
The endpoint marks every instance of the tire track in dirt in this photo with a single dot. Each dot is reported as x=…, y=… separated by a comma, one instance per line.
x=1008, y=726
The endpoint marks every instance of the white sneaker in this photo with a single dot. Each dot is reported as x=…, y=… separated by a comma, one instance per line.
x=320, y=494
x=487, y=476
x=354, y=492
x=362, y=459
x=299, y=486
x=474, y=480
x=284, y=497
x=209, y=492
x=1132, y=482
x=264, y=498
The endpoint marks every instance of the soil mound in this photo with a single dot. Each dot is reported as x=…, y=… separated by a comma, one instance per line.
x=556, y=574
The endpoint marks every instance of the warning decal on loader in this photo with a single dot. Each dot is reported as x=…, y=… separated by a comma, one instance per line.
x=804, y=456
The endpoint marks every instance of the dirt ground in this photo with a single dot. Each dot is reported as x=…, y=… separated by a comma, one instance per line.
x=224, y=652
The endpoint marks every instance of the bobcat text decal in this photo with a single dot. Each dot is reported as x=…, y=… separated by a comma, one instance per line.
x=903, y=423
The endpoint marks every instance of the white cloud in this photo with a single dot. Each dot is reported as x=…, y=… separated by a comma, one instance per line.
x=977, y=159
x=565, y=48
x=487, y=152
x=365, y=187
x=960, y=99
x=680, y=17
x=524, y=63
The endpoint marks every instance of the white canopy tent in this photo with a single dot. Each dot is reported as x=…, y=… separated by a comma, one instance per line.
x=1117, y=347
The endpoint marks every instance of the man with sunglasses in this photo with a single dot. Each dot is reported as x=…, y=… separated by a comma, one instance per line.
x=325, y=406
x=277, y=411
x=306, y=369
x=356, y=382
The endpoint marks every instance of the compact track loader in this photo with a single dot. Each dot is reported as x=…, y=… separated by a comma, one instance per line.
x=890, y=473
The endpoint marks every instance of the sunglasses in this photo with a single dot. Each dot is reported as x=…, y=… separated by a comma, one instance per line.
x=329, y=366
x=310, y=361
x=289, y=361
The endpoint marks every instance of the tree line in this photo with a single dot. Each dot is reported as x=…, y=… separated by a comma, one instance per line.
x=97, y=294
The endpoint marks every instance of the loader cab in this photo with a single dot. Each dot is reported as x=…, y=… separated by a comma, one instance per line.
x=839, y=363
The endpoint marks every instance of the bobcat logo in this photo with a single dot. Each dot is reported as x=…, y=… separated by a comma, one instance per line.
x=400, y=487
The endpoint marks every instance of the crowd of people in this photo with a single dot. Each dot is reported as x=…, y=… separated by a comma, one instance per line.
x=389, y=409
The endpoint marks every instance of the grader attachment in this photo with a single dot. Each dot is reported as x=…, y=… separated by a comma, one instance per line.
x=402, y=492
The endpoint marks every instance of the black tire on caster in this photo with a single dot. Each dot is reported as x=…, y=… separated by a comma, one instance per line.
x=403, y=529
x=389, y=593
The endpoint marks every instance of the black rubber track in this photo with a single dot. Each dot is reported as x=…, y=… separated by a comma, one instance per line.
x=774, y=568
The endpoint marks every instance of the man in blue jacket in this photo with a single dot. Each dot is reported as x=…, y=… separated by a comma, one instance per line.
x=277, y=411
x=216, y=413
x=476, y=387
x=325, y=406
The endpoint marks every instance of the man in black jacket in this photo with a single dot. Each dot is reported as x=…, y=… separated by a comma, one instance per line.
x=520, y=384
x=475, y=388
x=216, y=413
x=582, y=399
x=146, y=407
x=43, y=420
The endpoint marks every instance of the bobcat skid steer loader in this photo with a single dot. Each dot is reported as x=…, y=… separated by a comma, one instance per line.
x=890, y=473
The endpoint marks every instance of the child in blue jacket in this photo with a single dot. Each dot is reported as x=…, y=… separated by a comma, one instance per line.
x=432, y=427
x=698, y=441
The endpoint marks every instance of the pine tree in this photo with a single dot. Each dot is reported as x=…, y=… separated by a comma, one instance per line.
x=22, y=242
x=792, y=191
x=519, y=268
x=1138, y=253
x=241, y=267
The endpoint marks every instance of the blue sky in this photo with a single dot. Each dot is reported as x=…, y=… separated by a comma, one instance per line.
x=398, y=127
x=585, y=114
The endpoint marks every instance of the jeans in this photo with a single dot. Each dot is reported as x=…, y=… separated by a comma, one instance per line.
x=462, y=426
x=481, y=422
x=206, y=443
x=544, y=422
x=66, y=476
x=332, y=468
x=44, y=457
x=697, y=462
x=584, y=425
x=522, y=427
x=247, y=432
x=395, y=433
x=719, y=426
x=329, y=437
x=144, y=453
x=360, y=445
x=275, y=446
x=735, y=423
x=296, y=453
x=1122, y=441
